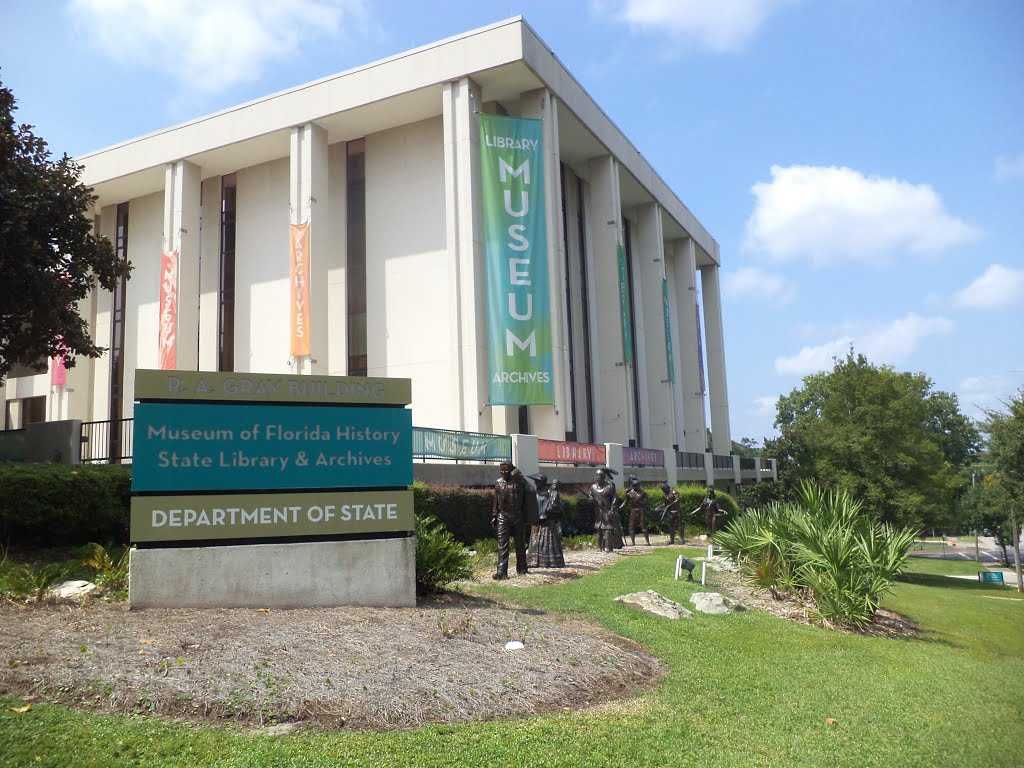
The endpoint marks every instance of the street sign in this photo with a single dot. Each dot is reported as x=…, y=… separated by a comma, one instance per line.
x=995, y=577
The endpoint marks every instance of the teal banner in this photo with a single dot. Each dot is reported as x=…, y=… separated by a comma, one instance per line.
x=669, y=357
x=215, y=447
x=445, y=444
x=516, y=248
x=627, y=324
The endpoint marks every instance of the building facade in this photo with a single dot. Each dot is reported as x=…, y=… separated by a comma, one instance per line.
x=383, y=165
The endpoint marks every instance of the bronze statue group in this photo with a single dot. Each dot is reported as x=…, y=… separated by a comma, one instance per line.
x=539, y=506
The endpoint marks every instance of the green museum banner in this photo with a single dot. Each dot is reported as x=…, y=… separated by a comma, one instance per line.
x=516, y=248
x=627, y=324
x=669, y=357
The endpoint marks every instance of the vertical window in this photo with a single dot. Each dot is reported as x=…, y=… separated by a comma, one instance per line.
x=226, y=303
x=117, y=310
x=588, y=390
x=355, y=268
x=570, y=347
x=634, y=376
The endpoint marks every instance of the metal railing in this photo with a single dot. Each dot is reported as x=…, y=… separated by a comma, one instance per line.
x=107, y=441
x=721, y=462
x=689, y=460
x=748, y=463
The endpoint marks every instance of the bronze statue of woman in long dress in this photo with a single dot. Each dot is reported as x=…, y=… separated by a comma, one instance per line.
x=546, y=533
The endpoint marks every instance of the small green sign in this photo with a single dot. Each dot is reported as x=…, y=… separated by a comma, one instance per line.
x=270, y=515
x=995, y=577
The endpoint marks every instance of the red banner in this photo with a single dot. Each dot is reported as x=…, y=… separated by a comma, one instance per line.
x=300, y=288
x=570, y=453
x=168, y=340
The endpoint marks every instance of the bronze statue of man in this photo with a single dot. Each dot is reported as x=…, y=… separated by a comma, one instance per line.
x=711, y=512
x=636, y=503
x=607, y=523
x=670, y=514
x=508, y=518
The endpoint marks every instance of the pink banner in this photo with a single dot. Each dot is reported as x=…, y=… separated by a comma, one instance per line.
x=300, y=288
x=168, y=310
x=642, y=457
x=58, y=371
x=570, y=453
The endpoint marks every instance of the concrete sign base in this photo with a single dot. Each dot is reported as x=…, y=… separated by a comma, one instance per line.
x=376, y=572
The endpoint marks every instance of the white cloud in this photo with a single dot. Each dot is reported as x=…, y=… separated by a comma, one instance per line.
x=998, y=286
x=1010, y=167
x=765, y=406
x=978, y=394
x=209, y=45
x=883, y=345
x=757, y=285
x=830, y=215
x=721, y=26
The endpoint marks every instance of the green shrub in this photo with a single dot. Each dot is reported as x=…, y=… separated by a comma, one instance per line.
x=56, y=505
x=821, y=549
x=465, y=512
x=440, y=559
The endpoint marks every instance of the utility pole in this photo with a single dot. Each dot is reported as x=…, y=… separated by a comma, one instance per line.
x=1016, y=548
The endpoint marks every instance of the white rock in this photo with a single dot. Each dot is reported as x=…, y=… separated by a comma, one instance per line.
x=655, y=604
x=72, y=590
x=713, y=602
x=514, y=645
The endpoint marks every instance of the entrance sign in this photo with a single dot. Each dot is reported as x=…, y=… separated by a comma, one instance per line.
x=516, y=256
x=267, y=515
x=991, y=576
x=212, y=447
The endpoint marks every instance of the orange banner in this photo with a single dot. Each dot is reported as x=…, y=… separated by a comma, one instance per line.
x=168, y=310
x=300, y=288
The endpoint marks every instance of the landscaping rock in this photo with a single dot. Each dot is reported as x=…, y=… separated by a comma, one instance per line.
x=713, y=602
x=653, y=603
x=76, y=590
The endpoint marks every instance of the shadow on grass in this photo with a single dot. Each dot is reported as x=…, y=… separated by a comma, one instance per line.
x=946, y=582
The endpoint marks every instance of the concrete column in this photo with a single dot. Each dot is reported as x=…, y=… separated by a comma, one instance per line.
x=614, y=404
x=464, y=234
x=738, y=477
x=552, y=421
x=657, y=407
x=308, y=201
x=715, y=350
x=182, y=188
x=757, y=469
x=613, y=460
x=709, y=469
x=694, y=425
x=525, y=453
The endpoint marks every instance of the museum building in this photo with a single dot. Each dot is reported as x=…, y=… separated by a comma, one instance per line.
x=342, y=227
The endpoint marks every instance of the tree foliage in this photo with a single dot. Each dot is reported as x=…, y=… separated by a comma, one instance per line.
x=884, y=437
x=1006, y=447
x=49, y=257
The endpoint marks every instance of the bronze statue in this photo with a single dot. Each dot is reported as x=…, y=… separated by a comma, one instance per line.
x=607, y=523
x=670, y=514
x=508, y=517
x=636, y=503
x=711, y=512
x=546, y=534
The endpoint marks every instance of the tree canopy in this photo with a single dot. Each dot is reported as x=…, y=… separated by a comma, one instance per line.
x=1006, y=447
x=884, y=437
x=49, y=257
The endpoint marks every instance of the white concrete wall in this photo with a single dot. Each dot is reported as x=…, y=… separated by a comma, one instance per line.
x=337, y=232
x=408, y=285
x=142, y=300
x=209, y=274
x=262, y=324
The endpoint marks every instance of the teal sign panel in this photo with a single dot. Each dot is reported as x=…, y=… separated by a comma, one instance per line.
x=445, y=444
x=215, y=447
x=991, y=576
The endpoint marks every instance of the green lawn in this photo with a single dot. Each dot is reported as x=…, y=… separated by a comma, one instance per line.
x=742, y=690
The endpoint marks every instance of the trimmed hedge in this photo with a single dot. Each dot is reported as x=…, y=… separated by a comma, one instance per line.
x=466, y=512
x=57, y=505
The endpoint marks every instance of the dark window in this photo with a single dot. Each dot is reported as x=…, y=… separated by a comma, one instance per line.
x=634, y=378
x=355, y=272
x=585, y=293
x=226, y=310
x=33, y=410
x=117, y=310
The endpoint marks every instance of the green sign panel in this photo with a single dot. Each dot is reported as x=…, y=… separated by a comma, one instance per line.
x=516, y=256
x=270, y=388
x=444, y=444
x=624, y=309
x=666, y=310
x=992, y=576
x=270, y=515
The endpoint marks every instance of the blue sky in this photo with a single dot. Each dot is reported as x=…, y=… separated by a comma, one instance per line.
x=860, y=162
